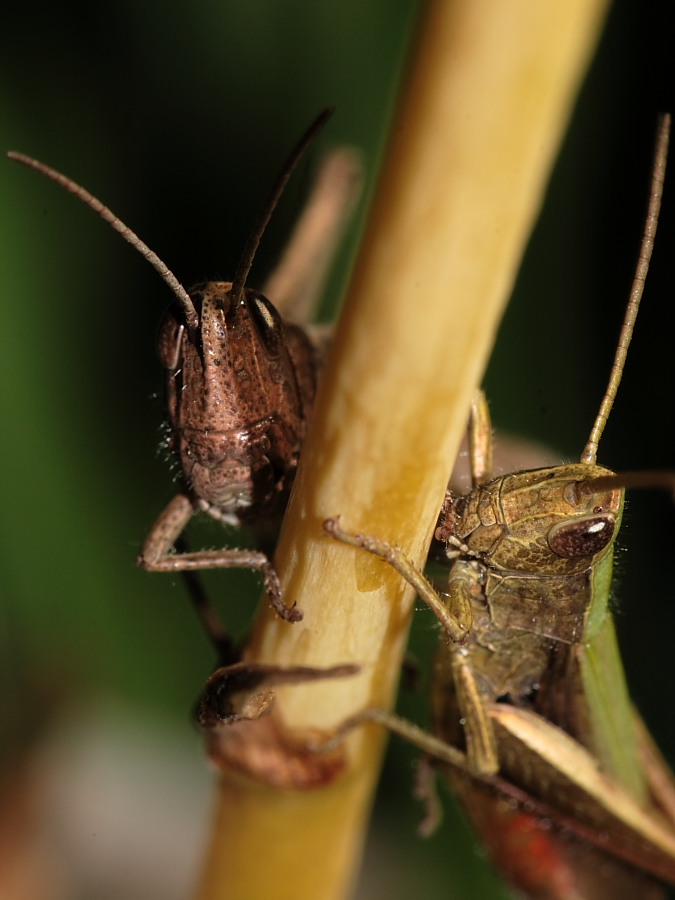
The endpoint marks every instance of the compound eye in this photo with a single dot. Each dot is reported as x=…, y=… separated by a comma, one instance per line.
x=586, y=536
x=268, y=323
x=169, y=340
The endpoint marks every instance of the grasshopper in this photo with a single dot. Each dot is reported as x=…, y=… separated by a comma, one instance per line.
x=532, y=719
x=240, y=381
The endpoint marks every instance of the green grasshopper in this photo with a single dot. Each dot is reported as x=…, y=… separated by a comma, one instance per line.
x=533, y=722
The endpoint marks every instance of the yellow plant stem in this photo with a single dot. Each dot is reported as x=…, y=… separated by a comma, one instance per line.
x=485, y=105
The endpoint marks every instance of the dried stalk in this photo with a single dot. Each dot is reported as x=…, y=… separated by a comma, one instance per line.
x=487, y=100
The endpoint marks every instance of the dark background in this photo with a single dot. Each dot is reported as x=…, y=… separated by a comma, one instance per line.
x=178, y=116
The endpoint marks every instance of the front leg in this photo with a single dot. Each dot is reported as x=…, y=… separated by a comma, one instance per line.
x=157, y=554
x=454, y=613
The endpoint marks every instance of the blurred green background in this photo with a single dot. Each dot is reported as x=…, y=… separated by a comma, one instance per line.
x=178, y=116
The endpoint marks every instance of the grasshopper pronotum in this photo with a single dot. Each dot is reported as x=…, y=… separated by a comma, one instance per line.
x=532, y=717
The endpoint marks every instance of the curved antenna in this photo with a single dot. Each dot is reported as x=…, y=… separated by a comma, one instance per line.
x=660, y=154
x=248, y=255
x=191, y=317
x=663, y=479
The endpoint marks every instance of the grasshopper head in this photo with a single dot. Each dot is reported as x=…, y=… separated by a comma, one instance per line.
x=237, y=411
x=225, y=329
x=589, y=519
x=546, y=521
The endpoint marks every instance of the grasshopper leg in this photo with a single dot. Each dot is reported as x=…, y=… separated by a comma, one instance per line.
x=454, y=614
x=481, y=743
x=455, y=617
x=156, y=554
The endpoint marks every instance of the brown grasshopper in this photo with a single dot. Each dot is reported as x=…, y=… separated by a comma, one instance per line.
x=532, y=718
x=240, y=380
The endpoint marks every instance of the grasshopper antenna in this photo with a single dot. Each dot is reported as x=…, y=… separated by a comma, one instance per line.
x=130, y=236
x=658, y=174
x=247, y=257
x=665, y=480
